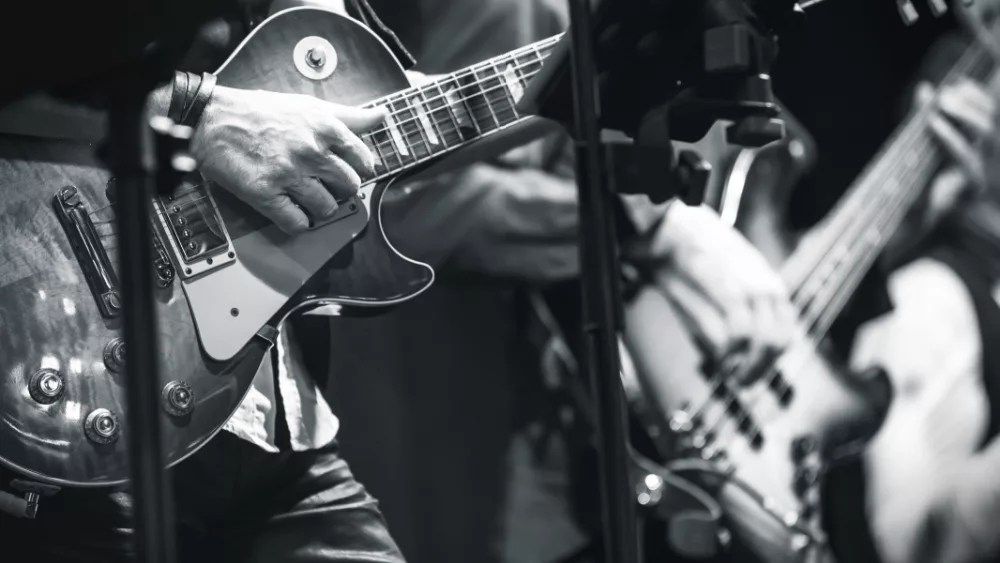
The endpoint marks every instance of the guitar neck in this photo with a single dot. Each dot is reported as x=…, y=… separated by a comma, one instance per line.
x=456, y=110
x=826, y=271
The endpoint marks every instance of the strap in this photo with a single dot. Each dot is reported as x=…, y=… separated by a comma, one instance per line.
x=362, y=11
x=178, y=95
x=192, y=114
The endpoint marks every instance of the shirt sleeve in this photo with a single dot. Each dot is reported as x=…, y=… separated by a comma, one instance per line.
x=517, y=217
x=514, y=218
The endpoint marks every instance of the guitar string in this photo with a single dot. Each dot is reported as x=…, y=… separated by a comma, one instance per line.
x=838, y=232
x=454, y=79
x=391, y=151
x=817, y=325
x=723, y=444
x=834, y=296
x=811, y=338
x=839, y=297
x=532, y=49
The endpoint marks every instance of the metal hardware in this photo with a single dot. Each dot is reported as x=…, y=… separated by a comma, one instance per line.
x=25, y=506
x=114, y=356
x=102, y=427
x=178, y=398
x=315, y=58
x=46, y=386
x=191, y=228
x=74, y=216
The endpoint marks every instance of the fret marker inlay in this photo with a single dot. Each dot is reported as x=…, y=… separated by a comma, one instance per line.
x=425, y=122
x=454, y=98
x=397, y=138
x=513, y=83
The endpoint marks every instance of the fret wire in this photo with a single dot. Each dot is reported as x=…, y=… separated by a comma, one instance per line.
x=502, y=78
x=378, y=151
x=465, y=103
x=386, y=131
x=418, y=161
x=401, y=127
x=446, y=105
x=466, y=98
x=519, y=72
x=534, y=47
x=420, y=126
x=486, y=98
x=428, y=111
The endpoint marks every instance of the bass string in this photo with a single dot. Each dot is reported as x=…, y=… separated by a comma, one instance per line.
x=908, y=136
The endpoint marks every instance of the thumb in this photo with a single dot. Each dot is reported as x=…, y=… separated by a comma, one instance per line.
x=361, y=120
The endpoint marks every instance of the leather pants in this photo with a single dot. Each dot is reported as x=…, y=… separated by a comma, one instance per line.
x=233, y=503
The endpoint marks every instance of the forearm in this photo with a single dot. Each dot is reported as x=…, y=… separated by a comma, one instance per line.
x=525, y=227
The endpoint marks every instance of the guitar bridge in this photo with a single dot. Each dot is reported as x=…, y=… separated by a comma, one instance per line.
x=74, y=215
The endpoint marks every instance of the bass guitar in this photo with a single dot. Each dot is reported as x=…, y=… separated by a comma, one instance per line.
x=763, y=450
x=227, y=277
x=769, y=445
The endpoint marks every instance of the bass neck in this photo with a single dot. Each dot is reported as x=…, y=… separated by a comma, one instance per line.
x=450, y=112
x=831, y=262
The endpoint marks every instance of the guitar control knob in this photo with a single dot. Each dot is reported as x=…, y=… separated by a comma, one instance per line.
x=102, y=426
x=178, y=398
x=114, y=356
x=46, y=386
x=316, y=57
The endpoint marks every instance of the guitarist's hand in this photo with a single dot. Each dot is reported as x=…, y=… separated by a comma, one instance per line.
x=965, y=126
x=736, y=305
x=290, y=157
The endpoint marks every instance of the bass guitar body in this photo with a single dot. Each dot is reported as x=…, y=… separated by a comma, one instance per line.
x=227, y=278
x=763, y=450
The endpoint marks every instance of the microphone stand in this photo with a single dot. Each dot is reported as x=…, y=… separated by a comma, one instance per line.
x=129, y=143
x=599, y=273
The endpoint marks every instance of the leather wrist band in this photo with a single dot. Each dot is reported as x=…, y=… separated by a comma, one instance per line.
x=178, y=96
x=194, y=110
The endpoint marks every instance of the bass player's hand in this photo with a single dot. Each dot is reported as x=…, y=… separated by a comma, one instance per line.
x=964, y=124
x=289, y=156
x=734, y=302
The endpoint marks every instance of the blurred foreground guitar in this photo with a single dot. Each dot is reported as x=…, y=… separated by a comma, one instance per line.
x=763, y=450
x=770, y=445
x=227, y=276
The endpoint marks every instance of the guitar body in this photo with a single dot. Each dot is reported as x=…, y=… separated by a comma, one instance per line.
x=777, y=513
x=217, y=319
x=778, y=520
x=49, y=320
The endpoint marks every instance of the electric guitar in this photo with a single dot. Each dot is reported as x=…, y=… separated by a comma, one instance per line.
x=227, y=277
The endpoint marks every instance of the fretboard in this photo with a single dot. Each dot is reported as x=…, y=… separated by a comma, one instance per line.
x=438, y=117
x=823, y=274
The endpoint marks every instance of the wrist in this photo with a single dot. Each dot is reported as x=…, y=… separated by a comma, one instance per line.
x=223, y=100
